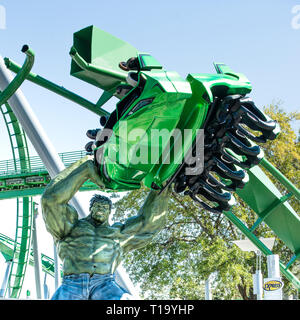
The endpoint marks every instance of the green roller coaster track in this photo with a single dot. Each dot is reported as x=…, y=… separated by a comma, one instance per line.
x=24, y=205
x=32, y=181
x=7, y=248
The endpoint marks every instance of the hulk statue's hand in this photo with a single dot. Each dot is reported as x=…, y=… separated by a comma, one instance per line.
x=93, y=173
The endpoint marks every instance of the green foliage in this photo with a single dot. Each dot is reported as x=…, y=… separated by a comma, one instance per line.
x=195, y=244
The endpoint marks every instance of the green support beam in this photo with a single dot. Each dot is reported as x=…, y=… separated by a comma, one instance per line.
x=280, y=177
x=20, y=77
x=12, y=66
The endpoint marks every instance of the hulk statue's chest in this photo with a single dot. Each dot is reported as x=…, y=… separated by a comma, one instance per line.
x=87, y=247
x=84, y=229
x=89, y=242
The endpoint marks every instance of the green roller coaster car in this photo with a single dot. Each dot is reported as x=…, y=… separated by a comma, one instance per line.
x=198, y=133
x=143, y=142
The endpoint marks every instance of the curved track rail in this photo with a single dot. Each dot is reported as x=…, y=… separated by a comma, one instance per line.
x=24, y=205
x=7, y=248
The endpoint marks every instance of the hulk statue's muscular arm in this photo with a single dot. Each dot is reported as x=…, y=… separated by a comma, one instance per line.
x=59, y=216
x=140, y=229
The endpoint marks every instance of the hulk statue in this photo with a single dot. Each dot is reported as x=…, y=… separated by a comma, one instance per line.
x=90, y=248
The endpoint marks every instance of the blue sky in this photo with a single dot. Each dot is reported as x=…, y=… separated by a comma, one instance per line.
x=253, y=37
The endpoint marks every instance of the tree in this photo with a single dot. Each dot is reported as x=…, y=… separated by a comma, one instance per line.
x=195, y=243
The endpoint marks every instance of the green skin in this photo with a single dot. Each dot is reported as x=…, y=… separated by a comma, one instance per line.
x=91, y=245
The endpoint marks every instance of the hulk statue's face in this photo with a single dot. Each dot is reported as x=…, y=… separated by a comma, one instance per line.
x=100, y=212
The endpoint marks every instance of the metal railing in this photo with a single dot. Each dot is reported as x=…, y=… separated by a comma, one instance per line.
x=12, y=167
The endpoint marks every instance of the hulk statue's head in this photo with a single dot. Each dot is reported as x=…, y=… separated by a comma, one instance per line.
x=100, y=208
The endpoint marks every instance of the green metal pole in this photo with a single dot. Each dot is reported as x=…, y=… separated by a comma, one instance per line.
x=12, y=66
x=281, y=178
x=20, y=77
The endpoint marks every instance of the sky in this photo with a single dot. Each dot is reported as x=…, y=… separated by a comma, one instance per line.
x=257, y=38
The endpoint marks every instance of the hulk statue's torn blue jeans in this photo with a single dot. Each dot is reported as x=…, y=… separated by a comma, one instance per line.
x=85, y=287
